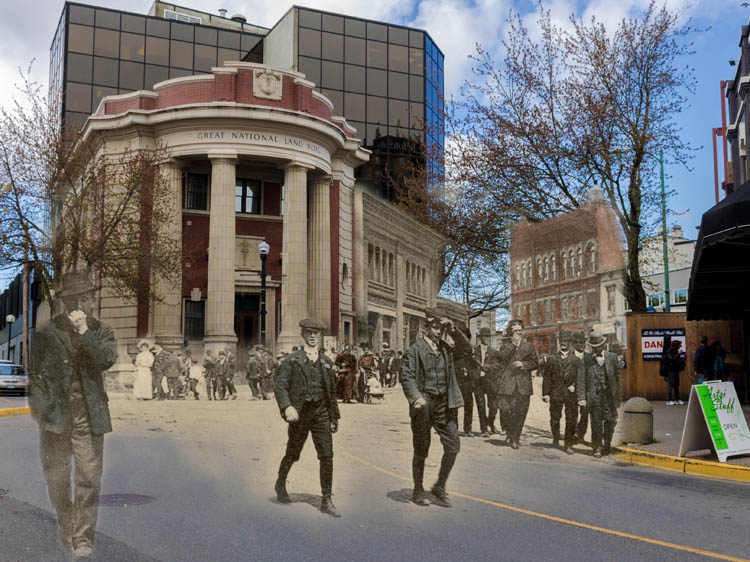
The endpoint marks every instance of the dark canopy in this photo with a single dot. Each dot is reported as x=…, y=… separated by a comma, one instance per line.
x=720, y=278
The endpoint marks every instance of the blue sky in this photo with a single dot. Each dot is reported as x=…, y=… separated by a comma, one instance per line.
x=455, y=25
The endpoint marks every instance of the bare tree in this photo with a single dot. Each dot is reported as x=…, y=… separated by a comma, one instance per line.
x=67, y=203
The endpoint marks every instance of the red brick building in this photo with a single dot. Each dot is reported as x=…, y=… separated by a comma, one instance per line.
x=567, y=273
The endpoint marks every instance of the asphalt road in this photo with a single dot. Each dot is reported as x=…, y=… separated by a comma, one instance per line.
x=204, y=473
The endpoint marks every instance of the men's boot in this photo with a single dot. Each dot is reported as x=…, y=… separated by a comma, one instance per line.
x=417, y=469
x=326, y=485
x=438, y=490
x=280, y=487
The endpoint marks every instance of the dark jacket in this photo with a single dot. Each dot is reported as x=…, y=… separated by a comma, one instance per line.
x=52, y=371
x=703, y=361
x=493, y=365
x=514, y=378
x=172, y=367
x=560, y=373
x=291, y=383
x=588, y=390
x=413, y=374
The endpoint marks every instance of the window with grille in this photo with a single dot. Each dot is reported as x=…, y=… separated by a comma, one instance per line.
x=195, y=314
x=196, y=192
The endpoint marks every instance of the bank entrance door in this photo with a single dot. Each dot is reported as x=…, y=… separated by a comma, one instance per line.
x=246, y=312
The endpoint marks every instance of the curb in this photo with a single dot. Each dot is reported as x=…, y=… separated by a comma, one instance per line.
x=685, y=465
x=7, y=412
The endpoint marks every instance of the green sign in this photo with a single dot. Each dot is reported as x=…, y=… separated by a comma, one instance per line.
x=712, y=417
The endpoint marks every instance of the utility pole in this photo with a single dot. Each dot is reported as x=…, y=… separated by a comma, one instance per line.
x=667, y=300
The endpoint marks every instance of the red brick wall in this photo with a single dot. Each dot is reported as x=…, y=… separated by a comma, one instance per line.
x=271, y=198
x=195, y=253
x=181, y=94
x=272, y=232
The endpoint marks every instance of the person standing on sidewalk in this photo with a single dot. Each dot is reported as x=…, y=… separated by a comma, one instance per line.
x=209, y=365
x=515, y=387
x=429, y=381
x=601, y=394
x=703, y=361
x=306, y=395
x=68, y=401
x=579, y=349
x=253, y=373
x=561, y=372
x=482, y=382
x=674, y=364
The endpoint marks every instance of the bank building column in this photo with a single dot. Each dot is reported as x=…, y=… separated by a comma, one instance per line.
x=221, y=241
x=294, y=298
x=167, y=323
x=319, y=236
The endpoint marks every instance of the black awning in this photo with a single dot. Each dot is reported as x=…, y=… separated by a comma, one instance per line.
x=720, y=279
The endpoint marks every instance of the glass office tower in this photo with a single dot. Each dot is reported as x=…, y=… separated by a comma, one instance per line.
x=387, y=80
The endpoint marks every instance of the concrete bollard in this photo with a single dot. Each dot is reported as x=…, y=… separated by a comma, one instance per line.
x=637, y=421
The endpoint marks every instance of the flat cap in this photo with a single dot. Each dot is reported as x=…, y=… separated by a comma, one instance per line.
x=485, y=331
x=312, y=324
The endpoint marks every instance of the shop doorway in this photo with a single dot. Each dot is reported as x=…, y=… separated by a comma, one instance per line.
x=246, y=313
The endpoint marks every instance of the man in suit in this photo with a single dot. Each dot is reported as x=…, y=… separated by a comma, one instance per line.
x=514, y=388
x=69, y=403
x=599, y=391
x=306, y=395
x=429, y=381
x=481, y=378
x=562, y=371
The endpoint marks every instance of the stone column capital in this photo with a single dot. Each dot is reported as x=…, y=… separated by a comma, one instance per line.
x=219, y=155
x=322, y=178
x=294, y=165
x=172, y=163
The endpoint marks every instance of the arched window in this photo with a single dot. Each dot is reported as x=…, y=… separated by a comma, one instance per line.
x=545, y=269
x=592, y=257
x=553, y=262
x=569, y=271
x=565, y=270
x=539, y=271
x=579, y=262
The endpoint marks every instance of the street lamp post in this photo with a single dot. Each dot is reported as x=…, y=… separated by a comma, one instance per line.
x=667, y=299
x=263, y=249
x=10, y=319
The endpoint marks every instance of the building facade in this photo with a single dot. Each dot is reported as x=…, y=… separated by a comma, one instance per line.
x=680, y=251
x=258, y=151
x=567, y=273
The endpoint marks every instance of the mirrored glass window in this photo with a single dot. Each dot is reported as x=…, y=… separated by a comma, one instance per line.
x=105, y=71
x=333, y=46
x=131, y=75
x=157, y=51
x=310, y=68
x=377, y=110
x=81, y=39
x=333, y=23
x=107, y=43
x=105, y=18
x=355, y=51
x=182, y=31
x=79, y=67
x=398, y=35
x=157, y=28
x=205, y=58
x=181, y=54
x=332, y=75
x=416, y=39
x=81, y=14
x=376, y=82
x=398, y=113
x=337, y=99
x=354, y=106
x=309, y=19
x=356, y=28
x=377, y=54
x=78, y=97
x=100, y=92
x=309, y=42
x=132, y=47
x=154, y=75
x=225, y=55
x=133, y=24
x=229, y=40
x=377, y=31
x=398, y=85
x=354, y=79
x=416, y=88
x=398, y=58
x=416, y=61
x=205, y=36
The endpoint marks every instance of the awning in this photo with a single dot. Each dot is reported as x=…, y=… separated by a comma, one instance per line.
x=720, y=279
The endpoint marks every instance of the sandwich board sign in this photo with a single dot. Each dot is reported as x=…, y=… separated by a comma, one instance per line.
x=715, y=420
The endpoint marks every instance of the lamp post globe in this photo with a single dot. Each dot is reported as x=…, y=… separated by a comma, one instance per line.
x=9, y=319
x=263, y=249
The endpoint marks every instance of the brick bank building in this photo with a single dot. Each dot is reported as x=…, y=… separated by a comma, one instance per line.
x=260, y=152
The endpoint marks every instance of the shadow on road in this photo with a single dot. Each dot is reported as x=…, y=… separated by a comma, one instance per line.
x=401, y=496
x=313, y=500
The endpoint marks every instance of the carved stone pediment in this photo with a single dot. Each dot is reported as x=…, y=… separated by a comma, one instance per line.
x=267, y=84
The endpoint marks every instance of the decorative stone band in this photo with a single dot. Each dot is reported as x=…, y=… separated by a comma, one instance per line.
x=238, y=82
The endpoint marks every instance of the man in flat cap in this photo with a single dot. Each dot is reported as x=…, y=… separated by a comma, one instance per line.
x=601, y=394
x=514, y=390
x=562, y=371
x=69, y=403
x=429, y=381
x=306, y=395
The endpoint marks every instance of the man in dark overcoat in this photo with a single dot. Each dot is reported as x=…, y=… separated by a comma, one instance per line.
x=306, y=394
x=69, y=403
x=159, y=371
x=562, y=371
x=600, y=393
x=482, y=376
x=514, y=386
x=429, y=381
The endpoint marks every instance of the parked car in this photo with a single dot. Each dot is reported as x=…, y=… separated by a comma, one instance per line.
x=13, y=378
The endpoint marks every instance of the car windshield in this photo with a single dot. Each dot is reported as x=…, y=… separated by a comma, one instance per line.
x=6, y=370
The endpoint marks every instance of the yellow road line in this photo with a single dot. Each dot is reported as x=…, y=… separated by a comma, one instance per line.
x=563, y=520
x=6, y=412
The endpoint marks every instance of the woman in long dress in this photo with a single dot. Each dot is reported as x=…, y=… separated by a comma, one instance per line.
x=143, y=363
